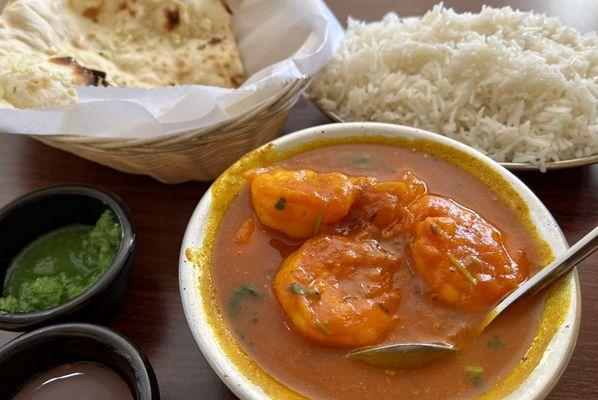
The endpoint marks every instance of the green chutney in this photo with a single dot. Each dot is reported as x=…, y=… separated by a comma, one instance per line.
x=60, y=265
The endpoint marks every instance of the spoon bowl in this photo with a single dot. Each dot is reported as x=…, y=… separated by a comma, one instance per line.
x=403, y=355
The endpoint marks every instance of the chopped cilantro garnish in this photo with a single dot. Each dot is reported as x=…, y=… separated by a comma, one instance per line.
x=495, y=342
x=462, y=269
x=303, y=290
x=476, y=380
x=361, y=162
x=280, y=204
x=474, y=373
x=474, y=369
x=324, y=328
x=239, y=297
x=317, y=224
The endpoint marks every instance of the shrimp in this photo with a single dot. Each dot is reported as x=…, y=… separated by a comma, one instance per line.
x=461, y=256
x=408, y=188
x=386, y=201
x=339, y=291
x=379, y=212
x=297, y=201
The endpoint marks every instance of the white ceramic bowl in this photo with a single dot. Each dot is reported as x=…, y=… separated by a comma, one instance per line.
x=538, y=383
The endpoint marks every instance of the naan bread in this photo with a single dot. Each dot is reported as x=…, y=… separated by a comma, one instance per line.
x=50, y=47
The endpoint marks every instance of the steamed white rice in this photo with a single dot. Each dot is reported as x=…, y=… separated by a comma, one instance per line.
x=518, y=86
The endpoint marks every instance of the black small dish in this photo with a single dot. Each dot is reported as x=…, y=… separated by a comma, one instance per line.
x=37, y=213
x=41, y=350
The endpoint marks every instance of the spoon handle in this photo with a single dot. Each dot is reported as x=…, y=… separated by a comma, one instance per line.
x=563, y=264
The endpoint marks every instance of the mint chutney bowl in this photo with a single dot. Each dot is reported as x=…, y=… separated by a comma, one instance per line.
x=36, y=214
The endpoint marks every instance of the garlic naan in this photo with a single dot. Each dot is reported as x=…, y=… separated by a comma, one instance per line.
x=50, y=47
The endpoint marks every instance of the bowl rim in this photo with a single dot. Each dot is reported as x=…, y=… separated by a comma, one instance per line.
x=145, y=379
x=16, y=321
x=558, y=351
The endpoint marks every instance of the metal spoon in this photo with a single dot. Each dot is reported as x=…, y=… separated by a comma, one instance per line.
x=405, y=355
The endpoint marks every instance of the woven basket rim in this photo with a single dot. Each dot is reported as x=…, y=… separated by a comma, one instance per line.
x=172, y=147
x=261, y=110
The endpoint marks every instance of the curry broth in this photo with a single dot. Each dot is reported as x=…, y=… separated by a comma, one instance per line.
x=243, y=273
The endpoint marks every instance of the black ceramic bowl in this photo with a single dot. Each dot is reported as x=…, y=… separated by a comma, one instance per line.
x=43, y=349
x=37, y=213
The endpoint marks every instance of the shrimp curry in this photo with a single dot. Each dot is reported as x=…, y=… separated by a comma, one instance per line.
x=355, y=245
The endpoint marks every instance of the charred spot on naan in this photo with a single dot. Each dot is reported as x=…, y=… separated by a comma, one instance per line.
x=226, y=7
x=237, y=81
x=173, y=18
x=92, y=13
x=125, y=6
x=83, y=75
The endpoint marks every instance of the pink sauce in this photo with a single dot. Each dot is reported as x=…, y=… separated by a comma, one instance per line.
x=77, y=381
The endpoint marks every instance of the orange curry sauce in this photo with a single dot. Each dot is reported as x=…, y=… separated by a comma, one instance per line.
x=248, y=256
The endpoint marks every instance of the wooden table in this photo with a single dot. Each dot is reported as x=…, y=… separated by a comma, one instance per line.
x=152, y=315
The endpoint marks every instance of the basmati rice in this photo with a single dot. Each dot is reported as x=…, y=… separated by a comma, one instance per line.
x=518, y=86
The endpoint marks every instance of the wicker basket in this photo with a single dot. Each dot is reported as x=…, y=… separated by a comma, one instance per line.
x=198, y=155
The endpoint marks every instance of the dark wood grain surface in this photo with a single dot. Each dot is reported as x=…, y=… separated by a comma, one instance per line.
x=152, y=314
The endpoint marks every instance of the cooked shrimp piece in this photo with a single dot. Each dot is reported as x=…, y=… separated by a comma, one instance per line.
x=339, y=291
x=386, y=201
x=408, y=188
x=461, y=256
x=296, y=202
x=379, y=211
